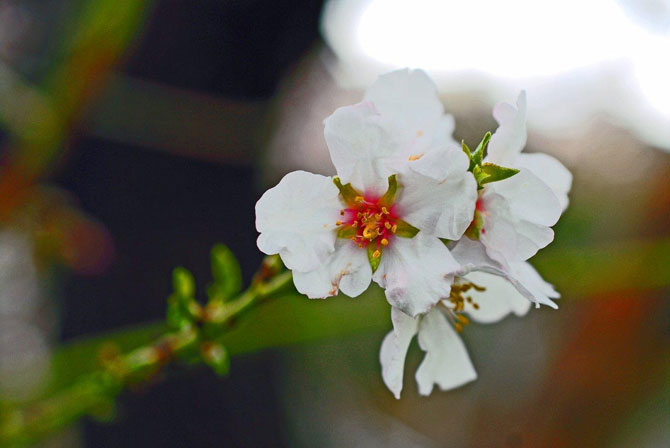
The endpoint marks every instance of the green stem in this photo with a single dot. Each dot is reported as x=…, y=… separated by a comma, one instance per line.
x=94, y=393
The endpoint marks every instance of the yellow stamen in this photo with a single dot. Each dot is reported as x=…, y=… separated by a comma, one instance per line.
x=376, y=254
x=385, y=211
x=387, y=225
x=415, y=157
x=394, y=227
x=359, y=199
x=385, y=242
x=338, y=223
x=370, y=230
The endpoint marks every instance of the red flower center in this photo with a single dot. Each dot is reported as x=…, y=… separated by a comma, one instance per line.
x=368, y=221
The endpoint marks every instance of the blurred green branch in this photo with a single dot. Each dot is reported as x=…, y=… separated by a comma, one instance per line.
x=81, y=387
x=195, y=341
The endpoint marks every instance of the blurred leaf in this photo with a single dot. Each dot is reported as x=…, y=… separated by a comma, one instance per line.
x=226, y=272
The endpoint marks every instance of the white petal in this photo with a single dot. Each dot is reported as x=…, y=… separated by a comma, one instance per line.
x=360, y=146
x=296, y=219
x=473, y=257
x=528, y=198
x=439, y=194
x=409, y=100
x=347, y=269
x=551, y=171
x=541, y=291
x=498, y=300
x=506, y=237
x=415, y=273
x=394, y=349
x=510, y=137
x=446, y=363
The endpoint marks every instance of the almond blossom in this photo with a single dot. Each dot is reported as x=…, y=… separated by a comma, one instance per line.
x=514, y=217
x=401, y=185
x=484, y=291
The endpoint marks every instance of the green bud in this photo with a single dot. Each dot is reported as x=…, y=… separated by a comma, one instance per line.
x=480, y=153
x=217, y=357
x=225, y=271
x=183, y=283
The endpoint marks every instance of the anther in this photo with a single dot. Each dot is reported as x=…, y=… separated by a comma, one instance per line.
x=376, y=254
x=394, y=227
x=338, y=223
x=359, y=199
x=385, y=242
x=385, y=211
x=387, y=225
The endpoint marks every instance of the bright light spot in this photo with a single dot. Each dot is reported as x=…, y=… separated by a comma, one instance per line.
x=511, y=38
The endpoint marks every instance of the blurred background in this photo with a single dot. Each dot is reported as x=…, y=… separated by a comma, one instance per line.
x=135, y=134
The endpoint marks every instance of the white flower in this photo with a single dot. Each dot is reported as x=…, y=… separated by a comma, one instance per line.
x=517, y=213
x=483, y=289
x=401, y=185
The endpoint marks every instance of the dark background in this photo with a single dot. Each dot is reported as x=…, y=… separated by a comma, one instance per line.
x=164, y=210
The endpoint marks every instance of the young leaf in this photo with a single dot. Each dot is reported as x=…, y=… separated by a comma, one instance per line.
x=480, y=153
x=225, y=271
x=494, y=173
x=183, y=283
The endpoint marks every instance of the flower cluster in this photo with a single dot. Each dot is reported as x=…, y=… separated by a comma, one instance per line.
x=446, y=231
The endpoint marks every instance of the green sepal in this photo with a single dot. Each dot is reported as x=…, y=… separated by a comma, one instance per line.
x=405, y=229
x=475, y=229
x=389, y=196
x=348, y=193
x=446, y=242
x=374, y=261
x=346, y=232
x=217, y=357
x=494, y=173
x=226, y=273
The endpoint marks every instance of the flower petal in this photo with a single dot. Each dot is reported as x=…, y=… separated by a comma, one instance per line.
x=347, y=269
x=394, y=349
x=415, y=273
x=510, y=137
x=296, y=219
x=439, y=194
x=447, y=362
x=551, y=171
x=498, y=300
x=360, y=146
x=528, y=198
x=473, y=258
x=506, y=237
x=409, y=100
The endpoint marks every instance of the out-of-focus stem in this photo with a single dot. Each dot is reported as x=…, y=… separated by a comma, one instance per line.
x=94, y=393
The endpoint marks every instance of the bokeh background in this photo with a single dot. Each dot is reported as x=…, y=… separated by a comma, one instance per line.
x=135, y=134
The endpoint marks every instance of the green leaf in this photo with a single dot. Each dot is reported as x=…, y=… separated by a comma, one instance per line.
x=389, y=196
x=374, y=256
x=348, y=193
x=480, y=153
x=405, y=229
x=183, y=283
x=495, y=173
x=225, y=271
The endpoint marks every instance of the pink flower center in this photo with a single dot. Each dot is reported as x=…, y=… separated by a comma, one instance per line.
x=368, y=221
